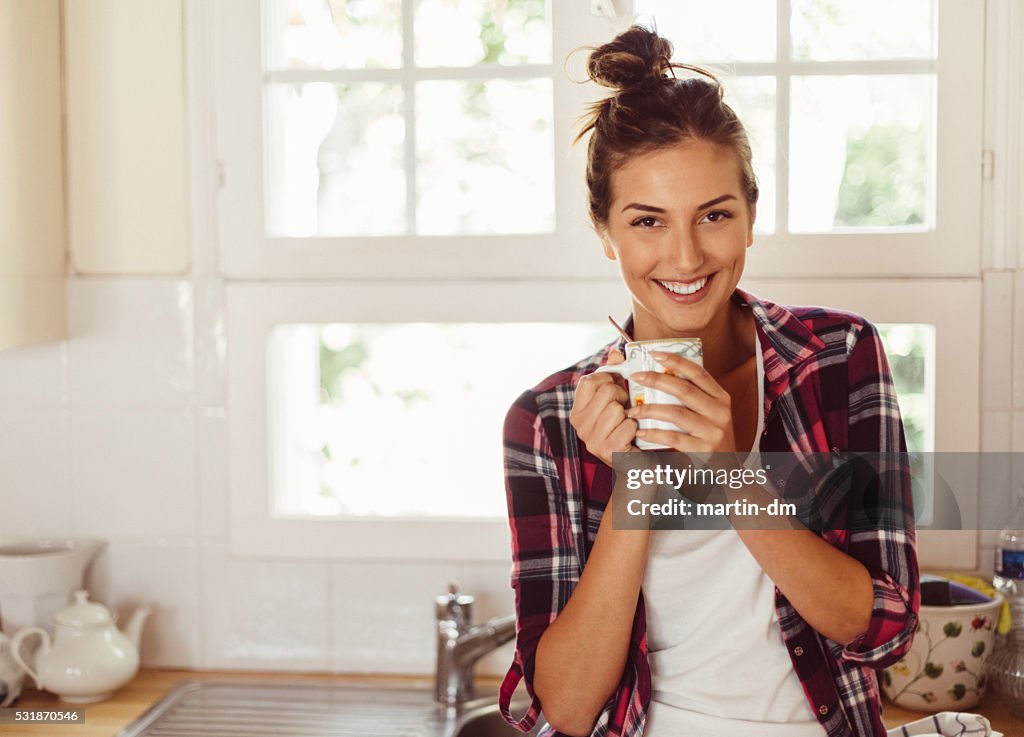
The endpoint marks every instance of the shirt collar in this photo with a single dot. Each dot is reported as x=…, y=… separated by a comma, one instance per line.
x=786, y=341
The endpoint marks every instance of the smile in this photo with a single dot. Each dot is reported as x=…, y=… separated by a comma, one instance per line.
x=685, y=288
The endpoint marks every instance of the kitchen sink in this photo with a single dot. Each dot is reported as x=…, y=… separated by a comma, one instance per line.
x=294, y=709
x=486, y=721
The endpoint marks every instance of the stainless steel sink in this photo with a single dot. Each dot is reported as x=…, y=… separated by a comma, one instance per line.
x=486, y=721
x=294, y=709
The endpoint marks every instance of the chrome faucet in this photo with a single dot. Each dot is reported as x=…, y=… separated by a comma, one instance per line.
x=460, y=644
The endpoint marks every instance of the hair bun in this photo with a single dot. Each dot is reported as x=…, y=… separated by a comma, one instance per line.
x=633, y=57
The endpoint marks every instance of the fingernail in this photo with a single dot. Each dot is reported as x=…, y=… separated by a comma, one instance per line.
x=632, y=412
x=659, y=355
x=641, y=433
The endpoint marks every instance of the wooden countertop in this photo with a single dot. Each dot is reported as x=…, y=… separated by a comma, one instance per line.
x=107, y=717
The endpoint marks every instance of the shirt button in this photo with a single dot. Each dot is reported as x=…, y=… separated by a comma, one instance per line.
x=823, y=710
x=798, y=651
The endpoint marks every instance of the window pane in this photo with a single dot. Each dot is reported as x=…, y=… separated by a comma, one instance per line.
x=724, y=30
x=333, y=34
x=461, y=33
x=485, y=157
x=753, y=101
x=404, y=419
x=862, y=153
x=828, y=30
x=910, y=349
x=334, y=157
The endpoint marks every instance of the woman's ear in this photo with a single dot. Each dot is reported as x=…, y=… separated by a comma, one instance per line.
x=750, y=227
x=606, y=244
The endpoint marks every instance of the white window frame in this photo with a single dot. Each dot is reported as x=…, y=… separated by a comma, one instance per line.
x=247, y=253
x=255, y=309
x=889, y=277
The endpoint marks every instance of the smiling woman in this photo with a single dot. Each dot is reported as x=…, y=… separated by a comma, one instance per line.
x=620, y=631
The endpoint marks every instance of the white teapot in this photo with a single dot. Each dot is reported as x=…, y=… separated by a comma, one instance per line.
x=10, y=674
x=89, y=658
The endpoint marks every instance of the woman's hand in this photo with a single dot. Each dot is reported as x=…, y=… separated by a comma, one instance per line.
x=599, y=413
x=706, y=420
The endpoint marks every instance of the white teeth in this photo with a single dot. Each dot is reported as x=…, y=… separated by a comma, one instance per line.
x=682, y=288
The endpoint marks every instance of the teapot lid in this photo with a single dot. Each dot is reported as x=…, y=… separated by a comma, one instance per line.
x=83, y=613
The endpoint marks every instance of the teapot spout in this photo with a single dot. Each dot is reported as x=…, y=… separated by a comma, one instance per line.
x=133, y=629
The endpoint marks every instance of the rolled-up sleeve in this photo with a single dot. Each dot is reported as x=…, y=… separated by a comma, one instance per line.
x=889, y=551
x=545, y=564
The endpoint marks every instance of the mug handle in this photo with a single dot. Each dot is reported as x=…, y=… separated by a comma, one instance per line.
x=16, y=641
x=622, y=369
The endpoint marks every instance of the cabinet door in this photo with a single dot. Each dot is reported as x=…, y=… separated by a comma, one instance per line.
x=126, y=141
x=32, y=293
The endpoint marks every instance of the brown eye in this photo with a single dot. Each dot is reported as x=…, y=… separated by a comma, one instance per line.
x=717, y=216
x=647, y=222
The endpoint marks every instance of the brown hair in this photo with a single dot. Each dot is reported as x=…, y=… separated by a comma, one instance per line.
x=652, y=109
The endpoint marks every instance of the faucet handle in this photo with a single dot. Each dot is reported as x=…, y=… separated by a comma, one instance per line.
x=455, y=606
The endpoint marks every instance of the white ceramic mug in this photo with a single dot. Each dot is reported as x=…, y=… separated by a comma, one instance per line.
x=638, y=358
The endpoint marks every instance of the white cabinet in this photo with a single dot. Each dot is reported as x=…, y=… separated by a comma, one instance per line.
x=126, y=137
x=32, y=294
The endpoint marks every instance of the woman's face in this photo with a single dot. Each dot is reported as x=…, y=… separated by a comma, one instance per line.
x=679, y=228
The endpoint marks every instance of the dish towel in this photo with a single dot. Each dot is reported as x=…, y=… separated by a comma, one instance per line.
x=947, y=724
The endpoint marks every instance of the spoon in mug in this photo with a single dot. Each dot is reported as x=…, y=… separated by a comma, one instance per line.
x=618, y=327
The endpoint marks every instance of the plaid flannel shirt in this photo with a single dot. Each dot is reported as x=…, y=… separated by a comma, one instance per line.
x=827, y=388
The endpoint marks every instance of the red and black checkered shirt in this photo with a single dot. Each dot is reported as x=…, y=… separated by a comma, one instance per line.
x=828, y=388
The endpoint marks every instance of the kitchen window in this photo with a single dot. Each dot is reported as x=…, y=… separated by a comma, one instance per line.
x=354, y=143
x=381, y=179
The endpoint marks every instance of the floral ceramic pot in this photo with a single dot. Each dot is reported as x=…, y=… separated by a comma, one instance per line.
x=945, y=667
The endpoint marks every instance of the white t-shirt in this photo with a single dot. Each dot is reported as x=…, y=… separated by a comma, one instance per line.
x=719, y=667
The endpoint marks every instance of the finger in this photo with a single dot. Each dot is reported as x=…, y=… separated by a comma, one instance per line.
x=610, y=393
x=686, y=392
x=589, y=405
x=615, y=357
x=682, y=417
x=621, y=438
x=588, y=386
x=604, y=423
x=691, y=370
x=610, y=418
x=680, y=441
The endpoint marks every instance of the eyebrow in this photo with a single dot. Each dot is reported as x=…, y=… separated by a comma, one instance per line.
x=652, y=208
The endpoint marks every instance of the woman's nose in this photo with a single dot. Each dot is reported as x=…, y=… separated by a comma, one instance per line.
x=686, y=254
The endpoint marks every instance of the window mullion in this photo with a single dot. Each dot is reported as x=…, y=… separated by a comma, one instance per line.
x=783, y=56
x=409, y=109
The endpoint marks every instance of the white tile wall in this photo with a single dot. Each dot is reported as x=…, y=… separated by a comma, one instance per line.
x=264, y=614
x=162, y=573
x=380, y=602
x=36, y=376
x=35, y=472
x=211, y=342
x=1018, y=340
x=996, y=334
x=134, y=471
x=997, y=430
x=212, y=473
x=131, y=341
x=1002, y=390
